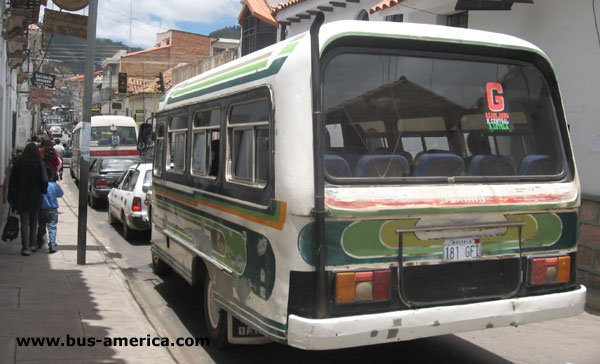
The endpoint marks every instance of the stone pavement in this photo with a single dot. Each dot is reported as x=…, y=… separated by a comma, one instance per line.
x=49, y=295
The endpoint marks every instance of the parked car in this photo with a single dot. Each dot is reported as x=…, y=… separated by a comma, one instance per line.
x=104, y=171
x=128, y=200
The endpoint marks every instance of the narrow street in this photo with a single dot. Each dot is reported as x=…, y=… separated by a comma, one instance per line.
x=175, y=310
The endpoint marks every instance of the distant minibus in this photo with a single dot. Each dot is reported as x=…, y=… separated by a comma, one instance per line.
x=110, y=136
x=369, y=182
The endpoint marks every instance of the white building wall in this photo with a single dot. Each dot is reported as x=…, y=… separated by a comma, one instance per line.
x=565, y=30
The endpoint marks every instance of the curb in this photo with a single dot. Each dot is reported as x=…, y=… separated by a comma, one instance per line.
x=114, y=268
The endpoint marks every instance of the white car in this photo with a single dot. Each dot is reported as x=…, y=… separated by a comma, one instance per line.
x=127, y=200
x=56, y=130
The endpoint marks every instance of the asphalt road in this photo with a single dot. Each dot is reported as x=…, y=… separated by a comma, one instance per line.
x=175, y=310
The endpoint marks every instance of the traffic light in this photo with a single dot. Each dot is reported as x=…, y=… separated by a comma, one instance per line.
x=160, y=84
x=122, y=82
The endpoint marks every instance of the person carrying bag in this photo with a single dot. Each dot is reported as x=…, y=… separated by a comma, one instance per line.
x=28, y=182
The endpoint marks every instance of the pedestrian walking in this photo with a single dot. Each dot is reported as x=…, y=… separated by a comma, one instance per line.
x=28, y=182
x=50, y=157
x=48, y=219
x=61, y=154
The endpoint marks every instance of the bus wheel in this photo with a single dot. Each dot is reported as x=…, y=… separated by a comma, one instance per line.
x=159, y=267
x=215, y=318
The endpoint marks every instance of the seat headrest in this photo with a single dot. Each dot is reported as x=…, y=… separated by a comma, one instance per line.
x=438, y=164
x=492, y=165
x=382, y=165
x=337, y=166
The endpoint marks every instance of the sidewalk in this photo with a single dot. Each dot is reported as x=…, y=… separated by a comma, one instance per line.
x=49, y=295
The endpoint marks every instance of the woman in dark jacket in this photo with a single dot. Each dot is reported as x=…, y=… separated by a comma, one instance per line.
x=28, y=182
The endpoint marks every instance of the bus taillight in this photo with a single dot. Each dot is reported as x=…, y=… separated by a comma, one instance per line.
x=353, y=287
x=550, y=270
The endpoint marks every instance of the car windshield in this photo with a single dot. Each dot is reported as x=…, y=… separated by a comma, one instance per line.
x=394, y=117
x=117, y=164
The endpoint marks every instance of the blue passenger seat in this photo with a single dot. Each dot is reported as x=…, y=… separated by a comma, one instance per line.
x=382, y=165
x=430, y=164
x=492, y=165
x=537, y=164
x=337, y=166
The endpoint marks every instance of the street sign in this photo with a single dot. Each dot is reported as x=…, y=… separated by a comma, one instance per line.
x=42, y=79
x=65, y=23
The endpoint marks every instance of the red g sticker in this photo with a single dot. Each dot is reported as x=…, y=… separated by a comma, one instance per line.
x=495, y=99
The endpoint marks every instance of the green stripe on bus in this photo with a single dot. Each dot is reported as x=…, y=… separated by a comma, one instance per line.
x=253, y=71
x=272, y=70
x=239, y=71
x=273, y=215
x=362, y=242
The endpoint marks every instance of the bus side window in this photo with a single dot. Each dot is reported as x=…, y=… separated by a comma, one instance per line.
x=159, y=149
x=248, y=133
x=177, y=138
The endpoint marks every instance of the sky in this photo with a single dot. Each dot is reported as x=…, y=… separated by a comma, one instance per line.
x=136, y=22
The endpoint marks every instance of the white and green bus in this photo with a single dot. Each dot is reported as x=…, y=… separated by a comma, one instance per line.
x=370, y=182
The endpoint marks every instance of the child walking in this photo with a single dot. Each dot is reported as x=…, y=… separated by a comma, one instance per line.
x=49, y=213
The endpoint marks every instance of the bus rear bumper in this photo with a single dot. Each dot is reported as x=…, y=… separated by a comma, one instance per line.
x=343, y=332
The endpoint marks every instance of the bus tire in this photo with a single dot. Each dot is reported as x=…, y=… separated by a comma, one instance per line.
x=159, y=267
x=215, y=318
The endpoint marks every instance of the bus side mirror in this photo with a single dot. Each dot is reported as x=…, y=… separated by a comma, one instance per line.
x=144, y=137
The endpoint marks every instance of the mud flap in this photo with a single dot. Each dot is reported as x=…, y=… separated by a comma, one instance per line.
x=240, y=333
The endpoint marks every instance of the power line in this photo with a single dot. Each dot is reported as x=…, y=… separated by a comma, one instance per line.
x=131, y=18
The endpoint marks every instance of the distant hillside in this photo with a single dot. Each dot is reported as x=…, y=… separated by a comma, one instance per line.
x=67, y=54
x=233, y=32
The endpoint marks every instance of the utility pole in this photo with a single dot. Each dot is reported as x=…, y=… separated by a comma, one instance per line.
x=84, y=158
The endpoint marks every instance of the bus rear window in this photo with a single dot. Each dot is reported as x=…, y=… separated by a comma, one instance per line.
x=107, y=136
x=394, y=117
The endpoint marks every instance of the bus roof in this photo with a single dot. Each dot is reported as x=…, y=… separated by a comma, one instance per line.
x=107, y=120
x=268, y=61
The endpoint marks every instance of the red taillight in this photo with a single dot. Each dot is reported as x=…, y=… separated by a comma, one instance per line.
x=381, y=285
x=550, y=270
x=136, y=204
x=101, y=183
x=367, y=286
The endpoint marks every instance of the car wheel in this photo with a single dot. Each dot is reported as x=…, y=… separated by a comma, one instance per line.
x=111, y=218
x=159, y=267
x=127, y=232
x=214, y=316
x=92, y=200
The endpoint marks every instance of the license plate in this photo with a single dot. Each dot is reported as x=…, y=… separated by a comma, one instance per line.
x=462, y=249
